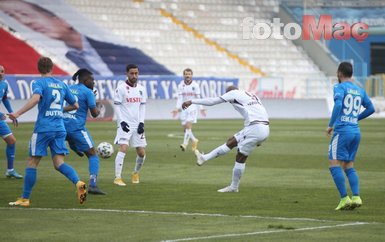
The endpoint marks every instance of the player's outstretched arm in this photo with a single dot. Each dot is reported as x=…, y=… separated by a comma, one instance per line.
x=28, y=106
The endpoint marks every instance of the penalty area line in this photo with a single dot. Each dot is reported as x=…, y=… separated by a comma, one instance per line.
x=267, y=232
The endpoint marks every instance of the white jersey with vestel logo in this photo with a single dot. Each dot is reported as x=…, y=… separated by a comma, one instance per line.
x=129, y=100
x=186, y=93
x=248, y=105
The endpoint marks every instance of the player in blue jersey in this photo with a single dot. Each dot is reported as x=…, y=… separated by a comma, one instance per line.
x=78, y=137
x=49, y=93
x=5, y=131
x=345, y=132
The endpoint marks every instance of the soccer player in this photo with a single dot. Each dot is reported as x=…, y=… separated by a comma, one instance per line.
x=254, y=133
x=49, y=93
x=5, y=131
x=78, y=137
x=129, y=101
x=187, y=90
x=343, y=124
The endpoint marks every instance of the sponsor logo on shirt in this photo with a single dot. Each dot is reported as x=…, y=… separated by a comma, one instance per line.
x=134, y=99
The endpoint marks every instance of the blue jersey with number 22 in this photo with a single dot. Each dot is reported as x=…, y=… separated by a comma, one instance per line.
x=52, y=93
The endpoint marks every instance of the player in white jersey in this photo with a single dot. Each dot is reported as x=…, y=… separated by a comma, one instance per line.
x=187, y=90
x=255, y=131
x=130, y=99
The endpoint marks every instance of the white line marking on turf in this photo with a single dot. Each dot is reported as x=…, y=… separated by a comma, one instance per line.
x=267, y=232
x=174, y=213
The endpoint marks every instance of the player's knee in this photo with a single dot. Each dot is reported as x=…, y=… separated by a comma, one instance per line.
x=141, y=153
x=10, y=140
x=241, y=158
x=90, y=152
x=333, y=163
x=232, y=142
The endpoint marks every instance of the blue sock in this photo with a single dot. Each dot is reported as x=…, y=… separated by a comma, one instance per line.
x=29, y=181
x=353, y=181
x=69, y=172
x=10, y=151
x=339, y=180
x=93, y=169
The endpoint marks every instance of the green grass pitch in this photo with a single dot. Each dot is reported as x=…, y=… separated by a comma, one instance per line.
x=286, y=193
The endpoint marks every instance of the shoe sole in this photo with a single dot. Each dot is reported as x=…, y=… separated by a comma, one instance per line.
x=16, y=177
x=121, y=185
x=355, y=205
x=82, y=193
x=182, y=148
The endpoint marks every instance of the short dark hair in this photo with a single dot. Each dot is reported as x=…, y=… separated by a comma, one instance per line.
x=81, y=74
x=131, y=66
x=44, y=65
x=346, y=69
x=187, y=69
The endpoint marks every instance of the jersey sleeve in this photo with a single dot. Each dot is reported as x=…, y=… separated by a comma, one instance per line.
x=37, y=88
x=69, y=97
x=144, y=95
x=228, y=96
x=5, y=91
x=117, y=96
x=179, y=99
x=338, y=92
x=91, y=102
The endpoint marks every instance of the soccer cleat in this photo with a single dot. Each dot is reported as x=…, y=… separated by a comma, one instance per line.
x=194, y=145
x=13, y=174
x=135, y=177
x=200, y=161
x=228, y=189
x=119, y=182
x=344, y=204
x=81, y=189
x=95, y=190
x=356, y=202
x=22, y=202
x=183, y=147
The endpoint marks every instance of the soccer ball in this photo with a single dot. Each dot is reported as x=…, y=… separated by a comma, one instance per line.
x=105, y=150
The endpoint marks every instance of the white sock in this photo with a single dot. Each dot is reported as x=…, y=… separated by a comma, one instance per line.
x=192, y=137
x=139, y=163
x=119, y=164
x=221, y=150
x=238, y=170
x=186, y=136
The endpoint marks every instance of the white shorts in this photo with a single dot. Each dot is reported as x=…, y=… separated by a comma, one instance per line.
x=189, y=115
x=132, y=138
x=250, y=137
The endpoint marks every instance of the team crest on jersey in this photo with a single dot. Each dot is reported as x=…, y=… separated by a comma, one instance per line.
x=140, y=93
x=193, y=88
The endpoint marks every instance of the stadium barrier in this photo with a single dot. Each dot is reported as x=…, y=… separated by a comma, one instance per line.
x=162, y=93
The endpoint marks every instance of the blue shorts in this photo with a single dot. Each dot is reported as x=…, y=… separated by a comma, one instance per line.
x=5, y=131
x=80, y=140
x=343, y=147
x=55, y=140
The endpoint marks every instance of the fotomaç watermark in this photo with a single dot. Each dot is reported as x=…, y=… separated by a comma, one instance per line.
x=325, y=29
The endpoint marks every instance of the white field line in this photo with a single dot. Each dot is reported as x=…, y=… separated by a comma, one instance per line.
x=174, y=213
x=267, y=232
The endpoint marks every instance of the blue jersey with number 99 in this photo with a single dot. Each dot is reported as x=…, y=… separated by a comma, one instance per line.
x=52, y=93
x=352, y=98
